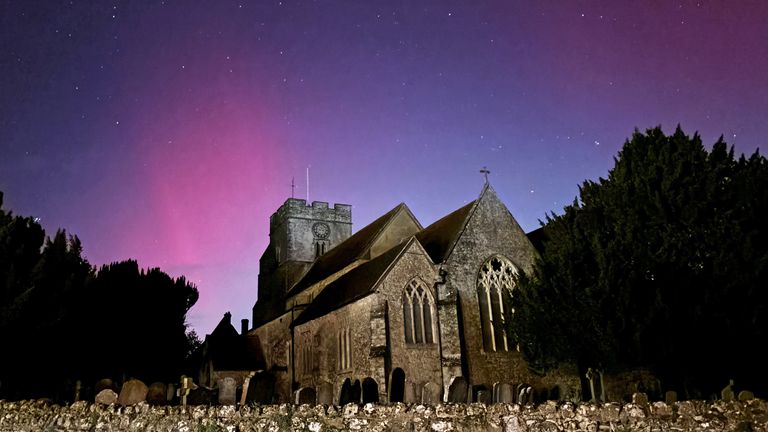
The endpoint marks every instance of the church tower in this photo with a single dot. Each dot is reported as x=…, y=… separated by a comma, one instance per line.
x=298, y=234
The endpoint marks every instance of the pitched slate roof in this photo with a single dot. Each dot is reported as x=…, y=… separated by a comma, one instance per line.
x=345, y=253
x=357, y=283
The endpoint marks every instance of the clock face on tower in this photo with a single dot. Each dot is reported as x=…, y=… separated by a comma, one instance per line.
x=321, y=230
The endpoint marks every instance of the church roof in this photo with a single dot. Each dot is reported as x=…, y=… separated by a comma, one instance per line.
x=357, y=283
x=346, y=252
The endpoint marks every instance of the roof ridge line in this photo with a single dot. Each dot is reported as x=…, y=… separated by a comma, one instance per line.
x=375, y=236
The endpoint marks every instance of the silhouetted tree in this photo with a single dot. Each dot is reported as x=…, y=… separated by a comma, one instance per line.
x=60, y=321
x=662, y=265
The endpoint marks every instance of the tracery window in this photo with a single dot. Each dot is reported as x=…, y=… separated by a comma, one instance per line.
x=495, y=282
x=418, y=312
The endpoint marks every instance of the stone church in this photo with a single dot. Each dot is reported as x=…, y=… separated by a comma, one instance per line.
x=395, y=311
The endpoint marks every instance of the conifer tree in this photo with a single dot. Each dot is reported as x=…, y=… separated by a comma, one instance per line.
x=661, y=265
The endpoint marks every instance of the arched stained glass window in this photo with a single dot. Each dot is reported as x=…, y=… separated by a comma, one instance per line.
x=495, y=282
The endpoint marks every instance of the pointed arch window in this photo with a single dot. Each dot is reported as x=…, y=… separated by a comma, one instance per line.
x=418, y=313
x=495, y=282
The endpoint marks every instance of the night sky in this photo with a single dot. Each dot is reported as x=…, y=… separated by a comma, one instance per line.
x=169, y=131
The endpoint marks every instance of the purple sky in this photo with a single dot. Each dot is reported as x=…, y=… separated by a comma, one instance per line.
x=169, y=131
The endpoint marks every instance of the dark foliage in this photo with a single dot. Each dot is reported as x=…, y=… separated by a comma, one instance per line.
x=663, y=265
x=61, y=321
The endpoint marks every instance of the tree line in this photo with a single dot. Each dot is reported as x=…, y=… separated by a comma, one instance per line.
x=663, y=265
x=62, y=320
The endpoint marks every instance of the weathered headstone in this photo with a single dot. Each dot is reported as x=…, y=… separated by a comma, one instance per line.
x=370, y=391
x=525, y=397
x=78, y=388
x=227, y=391
x=596, y=390
x=670, y=397
x=727, y=393
x=554, y=393
x=345, y=395
x=156, y=395
x=505, y=393
x=495, y=395
x=306, y=395
x=520, y=393
x=202, y=396
x=261, y=389
x=746, y=395
x=106, y=397
x=430, y=394
x=457, y=391
x=410, y=392
x=640, y=399
x=356, y=392
x=484, y=396
x=133, y=392
x=170, y=392
x=325, y=394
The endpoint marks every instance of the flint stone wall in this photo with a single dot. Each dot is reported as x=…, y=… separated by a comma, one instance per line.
x=551, y=416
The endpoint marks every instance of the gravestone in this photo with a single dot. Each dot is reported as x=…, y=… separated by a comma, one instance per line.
x=370, y=391
x=519, y=393
x=106, y=397
x=457, y=391
x=670, y=397
x=345, y=395
x=170, y=392
x=640, y=398
x=485, y=397
x=261, y=389
x=133, y=392
x=505, y=393
x=430, y=394
x=306, y=395
x=746, y=395
x=202, y=396
x=325, y=394
x=554, y=393
x=227, y=391
x=410, y=392
x=156, y=395
x=727, y=393
x=355, y=392
x=596, y=390
x=525, y=397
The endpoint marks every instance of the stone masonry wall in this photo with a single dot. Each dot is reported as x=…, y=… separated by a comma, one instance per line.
x=28, y=416
x=491, y=230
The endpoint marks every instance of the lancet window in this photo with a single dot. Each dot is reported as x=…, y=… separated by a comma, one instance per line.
x=344, y=352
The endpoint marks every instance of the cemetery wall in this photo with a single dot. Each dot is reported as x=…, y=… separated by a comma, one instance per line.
x=550, y=416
